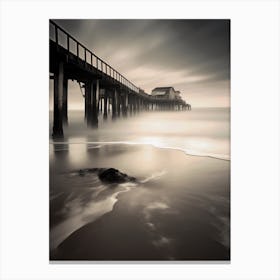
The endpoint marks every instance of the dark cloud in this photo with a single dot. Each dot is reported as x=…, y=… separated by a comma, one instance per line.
x=192, y=54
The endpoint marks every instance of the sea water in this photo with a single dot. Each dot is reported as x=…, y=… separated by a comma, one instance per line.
x=144, y=146
x=202, y=131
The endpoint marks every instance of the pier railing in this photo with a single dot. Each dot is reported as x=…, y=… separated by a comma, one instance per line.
x=65, y=40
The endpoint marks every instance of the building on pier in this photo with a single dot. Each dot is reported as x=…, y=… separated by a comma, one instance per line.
x=165, y=93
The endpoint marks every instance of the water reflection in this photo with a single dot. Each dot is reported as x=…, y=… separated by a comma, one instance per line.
x=199, y=132
x=179, y=207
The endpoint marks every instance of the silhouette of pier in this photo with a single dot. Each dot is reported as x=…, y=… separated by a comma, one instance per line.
x=106, y=91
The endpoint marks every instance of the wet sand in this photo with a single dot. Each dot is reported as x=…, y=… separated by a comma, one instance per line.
x=179, y=210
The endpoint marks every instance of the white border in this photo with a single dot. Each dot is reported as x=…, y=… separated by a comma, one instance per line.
x=24, y=138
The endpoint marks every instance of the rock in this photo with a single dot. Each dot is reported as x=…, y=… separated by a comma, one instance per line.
x=112, y=175
x=107, y=175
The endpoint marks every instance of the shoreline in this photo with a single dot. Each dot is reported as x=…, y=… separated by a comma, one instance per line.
x=147, y=214
x=139, y=143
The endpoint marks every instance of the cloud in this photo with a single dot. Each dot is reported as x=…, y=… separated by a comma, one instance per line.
x=186, y=54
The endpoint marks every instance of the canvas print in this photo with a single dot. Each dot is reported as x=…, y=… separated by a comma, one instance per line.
x=139, y=140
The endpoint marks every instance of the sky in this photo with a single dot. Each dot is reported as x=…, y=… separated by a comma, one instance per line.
x=193, y=56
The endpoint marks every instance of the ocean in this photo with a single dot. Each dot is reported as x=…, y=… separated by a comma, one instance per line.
x=177, y=209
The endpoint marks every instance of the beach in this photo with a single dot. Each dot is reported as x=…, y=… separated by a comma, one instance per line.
x=177, y=209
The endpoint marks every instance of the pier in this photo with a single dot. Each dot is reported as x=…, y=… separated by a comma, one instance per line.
x=106, y=91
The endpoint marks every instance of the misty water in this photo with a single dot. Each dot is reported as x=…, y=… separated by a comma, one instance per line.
x=179, y=206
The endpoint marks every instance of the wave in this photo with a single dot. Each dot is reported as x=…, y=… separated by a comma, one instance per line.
x=154, y=176
x=196, y=153
x=80, y=214
x=79, y=211
x=188, y=152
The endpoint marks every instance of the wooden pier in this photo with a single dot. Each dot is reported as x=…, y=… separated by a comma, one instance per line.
x=104, y=87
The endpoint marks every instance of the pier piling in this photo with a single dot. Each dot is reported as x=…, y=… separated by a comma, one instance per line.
x=58, y=101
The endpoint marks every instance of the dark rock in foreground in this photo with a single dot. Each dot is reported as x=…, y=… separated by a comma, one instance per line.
x=108, y=175
x=112, y=175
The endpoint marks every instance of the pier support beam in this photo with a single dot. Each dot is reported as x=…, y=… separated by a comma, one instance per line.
x=114, y=104
x=109, y=97
x=134, y=104
x=58, y=101
x=88, y=112
x=105, y=114
x=87, y=100
x=100, y=106
x=130, y=106
x=65, y=101
x=137, y=104
x=124, y=104
x=91, y=99
x=97, y=96
x=118, y=101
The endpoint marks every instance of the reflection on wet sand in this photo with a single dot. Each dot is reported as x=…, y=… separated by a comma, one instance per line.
x=178, y=208
x=174, y=208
